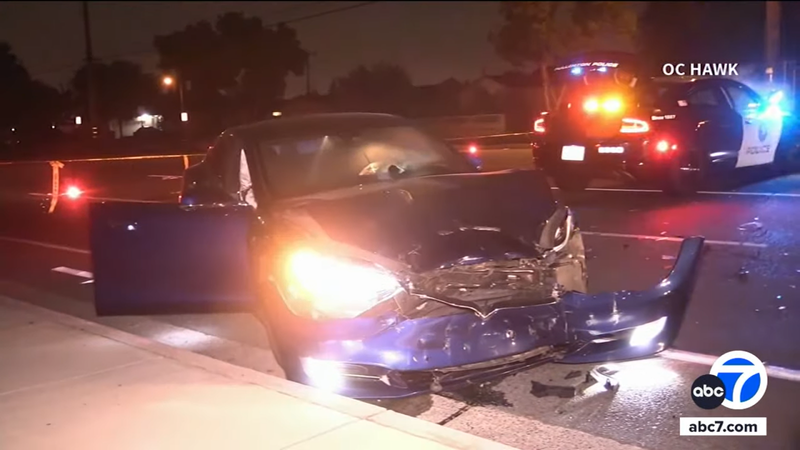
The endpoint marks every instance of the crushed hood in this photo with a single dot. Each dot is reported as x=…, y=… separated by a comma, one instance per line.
x=433, y=221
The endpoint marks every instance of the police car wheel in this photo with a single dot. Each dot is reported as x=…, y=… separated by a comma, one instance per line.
x=680, y=182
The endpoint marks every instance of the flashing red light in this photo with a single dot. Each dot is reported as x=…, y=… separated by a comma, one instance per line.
x=473, y=149
x=73, y=192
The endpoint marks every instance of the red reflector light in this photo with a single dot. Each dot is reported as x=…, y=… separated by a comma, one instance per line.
x=538, y=126
x=73, y=192
x=473, y=149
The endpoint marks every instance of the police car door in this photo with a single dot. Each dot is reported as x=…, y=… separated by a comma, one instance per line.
x=760, y=133
x=717, y=128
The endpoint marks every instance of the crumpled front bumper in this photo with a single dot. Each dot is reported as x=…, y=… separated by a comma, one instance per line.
x=391, y=356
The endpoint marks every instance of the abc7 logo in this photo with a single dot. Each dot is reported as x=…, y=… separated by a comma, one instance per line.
x=708, y=391
x=738, y=380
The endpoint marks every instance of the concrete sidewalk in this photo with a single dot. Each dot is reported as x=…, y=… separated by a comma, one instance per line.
x=66, y=383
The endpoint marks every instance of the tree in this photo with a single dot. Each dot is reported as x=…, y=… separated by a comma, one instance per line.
x=382, y=87
x=685, y=32
x=238, y=57
x=28, y=105
x=539, y=33
x=122, y=88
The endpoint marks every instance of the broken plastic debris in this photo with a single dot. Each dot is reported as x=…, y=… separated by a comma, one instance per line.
x=781, y=308
x=667, y=257
x=742, y=274
x=750, y=226
x=779, y=297
x=663, y=233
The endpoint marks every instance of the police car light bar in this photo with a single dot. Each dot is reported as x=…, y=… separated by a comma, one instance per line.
x=578, y=68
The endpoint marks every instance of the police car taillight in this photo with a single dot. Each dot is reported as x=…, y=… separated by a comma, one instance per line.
x=664, y=146
x=538, y=125
x=634, y=126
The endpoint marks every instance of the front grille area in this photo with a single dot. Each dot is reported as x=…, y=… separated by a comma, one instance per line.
x=528, y=281
x=454, y=378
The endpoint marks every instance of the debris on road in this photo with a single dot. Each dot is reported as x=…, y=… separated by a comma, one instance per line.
x=742, y=274
x=751, y=226
x=575, y=383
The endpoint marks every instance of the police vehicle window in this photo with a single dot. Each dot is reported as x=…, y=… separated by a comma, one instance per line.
x=703, y=97
x=307, y=165
x=742, y=99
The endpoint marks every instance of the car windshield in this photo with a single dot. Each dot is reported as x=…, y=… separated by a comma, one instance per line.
x=312, y=164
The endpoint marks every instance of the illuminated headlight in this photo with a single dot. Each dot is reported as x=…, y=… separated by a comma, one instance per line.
x=326, y=375
x=644, y=334
x=327, y=287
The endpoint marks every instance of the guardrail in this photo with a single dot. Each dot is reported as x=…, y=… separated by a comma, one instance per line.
x=27, y=178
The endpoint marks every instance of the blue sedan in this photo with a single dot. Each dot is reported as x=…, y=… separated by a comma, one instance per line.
x=382, y=263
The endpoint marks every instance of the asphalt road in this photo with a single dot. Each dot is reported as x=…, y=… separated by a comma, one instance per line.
x=746, y=298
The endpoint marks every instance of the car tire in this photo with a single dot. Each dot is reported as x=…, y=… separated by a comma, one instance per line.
x=291, y=366
x=681, y=183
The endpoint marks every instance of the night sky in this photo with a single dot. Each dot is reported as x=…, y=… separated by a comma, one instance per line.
x=432, y=40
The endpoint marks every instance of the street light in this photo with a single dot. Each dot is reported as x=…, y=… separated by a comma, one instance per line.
x=169, y=81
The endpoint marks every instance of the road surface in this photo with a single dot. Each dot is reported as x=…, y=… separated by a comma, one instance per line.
x=747, y=298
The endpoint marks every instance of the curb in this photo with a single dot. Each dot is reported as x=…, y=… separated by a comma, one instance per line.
x=354, y=408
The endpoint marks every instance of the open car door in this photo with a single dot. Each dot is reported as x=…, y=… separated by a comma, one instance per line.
x=169, y=258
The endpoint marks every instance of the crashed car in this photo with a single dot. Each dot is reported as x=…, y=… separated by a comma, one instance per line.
x=381, y=263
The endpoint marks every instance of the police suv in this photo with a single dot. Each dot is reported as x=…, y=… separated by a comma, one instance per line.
x=674, y=130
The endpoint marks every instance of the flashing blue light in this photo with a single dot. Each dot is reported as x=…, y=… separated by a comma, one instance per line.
x=603, y=69
x=576, y=70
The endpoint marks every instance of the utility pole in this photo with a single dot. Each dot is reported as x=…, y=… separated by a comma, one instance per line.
x=90, y=75
x=308, y=72
x=772, y=36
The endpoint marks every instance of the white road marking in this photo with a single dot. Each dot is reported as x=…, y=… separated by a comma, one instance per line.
x=708, y=360
x=74, y=272
x=166, y=177
x=671, y=239
x=45, y=245
x=653, y=191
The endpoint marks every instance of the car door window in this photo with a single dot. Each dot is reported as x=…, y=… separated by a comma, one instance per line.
x=223, y=162
x=743, y=100
x=704, y=97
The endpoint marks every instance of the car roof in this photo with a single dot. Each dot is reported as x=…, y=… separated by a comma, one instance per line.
x=315, y=125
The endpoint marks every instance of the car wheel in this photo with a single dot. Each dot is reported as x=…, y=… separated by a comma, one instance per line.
x=787, y=160
x=291, y=366
x=679, y=181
